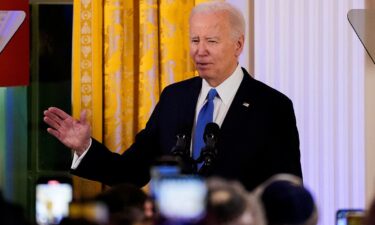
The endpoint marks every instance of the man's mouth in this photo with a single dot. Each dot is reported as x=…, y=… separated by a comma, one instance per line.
x=202, y=64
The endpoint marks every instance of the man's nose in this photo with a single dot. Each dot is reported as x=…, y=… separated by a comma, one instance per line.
x=202, y=48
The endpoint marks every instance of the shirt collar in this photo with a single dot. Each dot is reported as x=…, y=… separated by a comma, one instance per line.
x=228, y=88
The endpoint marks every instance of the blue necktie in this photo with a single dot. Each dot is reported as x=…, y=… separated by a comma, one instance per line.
x=205, y=116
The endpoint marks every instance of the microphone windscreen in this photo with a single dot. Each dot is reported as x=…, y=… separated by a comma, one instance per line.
x=211, y=129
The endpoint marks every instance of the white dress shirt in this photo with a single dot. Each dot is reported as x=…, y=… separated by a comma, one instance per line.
x=226, y=92
x=225, y=95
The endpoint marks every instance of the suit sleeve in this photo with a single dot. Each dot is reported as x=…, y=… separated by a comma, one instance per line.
x=290, y=151
x=133, y=166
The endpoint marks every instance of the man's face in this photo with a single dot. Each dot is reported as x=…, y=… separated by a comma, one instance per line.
x=212, y=46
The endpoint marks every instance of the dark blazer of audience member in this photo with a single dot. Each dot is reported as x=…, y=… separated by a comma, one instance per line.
x=258, y=133
x=127, y=205
x=370, y=215
x=11, y=214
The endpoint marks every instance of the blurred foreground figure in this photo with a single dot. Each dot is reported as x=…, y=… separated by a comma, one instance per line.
x=287, y=202
x=127, y=205
x=370, y=214
x=11, y=214
x=228, y=203
x=78, y=221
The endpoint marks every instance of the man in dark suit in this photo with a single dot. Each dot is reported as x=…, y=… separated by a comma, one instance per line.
x=258, y=135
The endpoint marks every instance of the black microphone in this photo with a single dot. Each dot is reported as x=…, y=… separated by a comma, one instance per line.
x=209, y=152
x=180, y=149
x=181, y=153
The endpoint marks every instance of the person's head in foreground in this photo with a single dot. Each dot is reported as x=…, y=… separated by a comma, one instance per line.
x=127, y=204
x=228, y=203
x=287, y=202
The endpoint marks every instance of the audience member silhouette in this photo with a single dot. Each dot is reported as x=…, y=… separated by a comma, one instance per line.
x=287, y=202
x=127, y=205
x=228, y=203
x=370, y=215
x=77, y=221
x=11, y=214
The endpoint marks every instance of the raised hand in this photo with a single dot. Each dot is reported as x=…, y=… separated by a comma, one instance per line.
x=74, y=134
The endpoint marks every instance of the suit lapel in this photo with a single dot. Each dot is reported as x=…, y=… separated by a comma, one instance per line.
x=192, y=98
x=241, y=105
x=189, y=104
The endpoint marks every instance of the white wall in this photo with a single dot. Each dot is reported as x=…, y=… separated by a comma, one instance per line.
x=370, y=129
x=307, y=50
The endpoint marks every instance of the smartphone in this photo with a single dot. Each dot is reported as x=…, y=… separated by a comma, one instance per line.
x=181, y=198
x=164, y=167
x=350, y=216
x=53, y=196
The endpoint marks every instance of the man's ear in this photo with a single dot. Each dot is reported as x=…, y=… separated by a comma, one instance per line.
x=239, y=45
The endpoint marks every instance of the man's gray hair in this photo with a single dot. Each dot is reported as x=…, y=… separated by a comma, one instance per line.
x=236, y=18
x=229, y=203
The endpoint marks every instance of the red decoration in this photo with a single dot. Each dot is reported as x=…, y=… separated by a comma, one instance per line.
x=14, y=58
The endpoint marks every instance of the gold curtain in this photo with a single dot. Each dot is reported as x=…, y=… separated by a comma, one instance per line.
x=87, y=79
x=124, y=53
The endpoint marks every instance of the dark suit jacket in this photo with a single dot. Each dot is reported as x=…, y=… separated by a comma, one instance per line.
x=255, y=142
